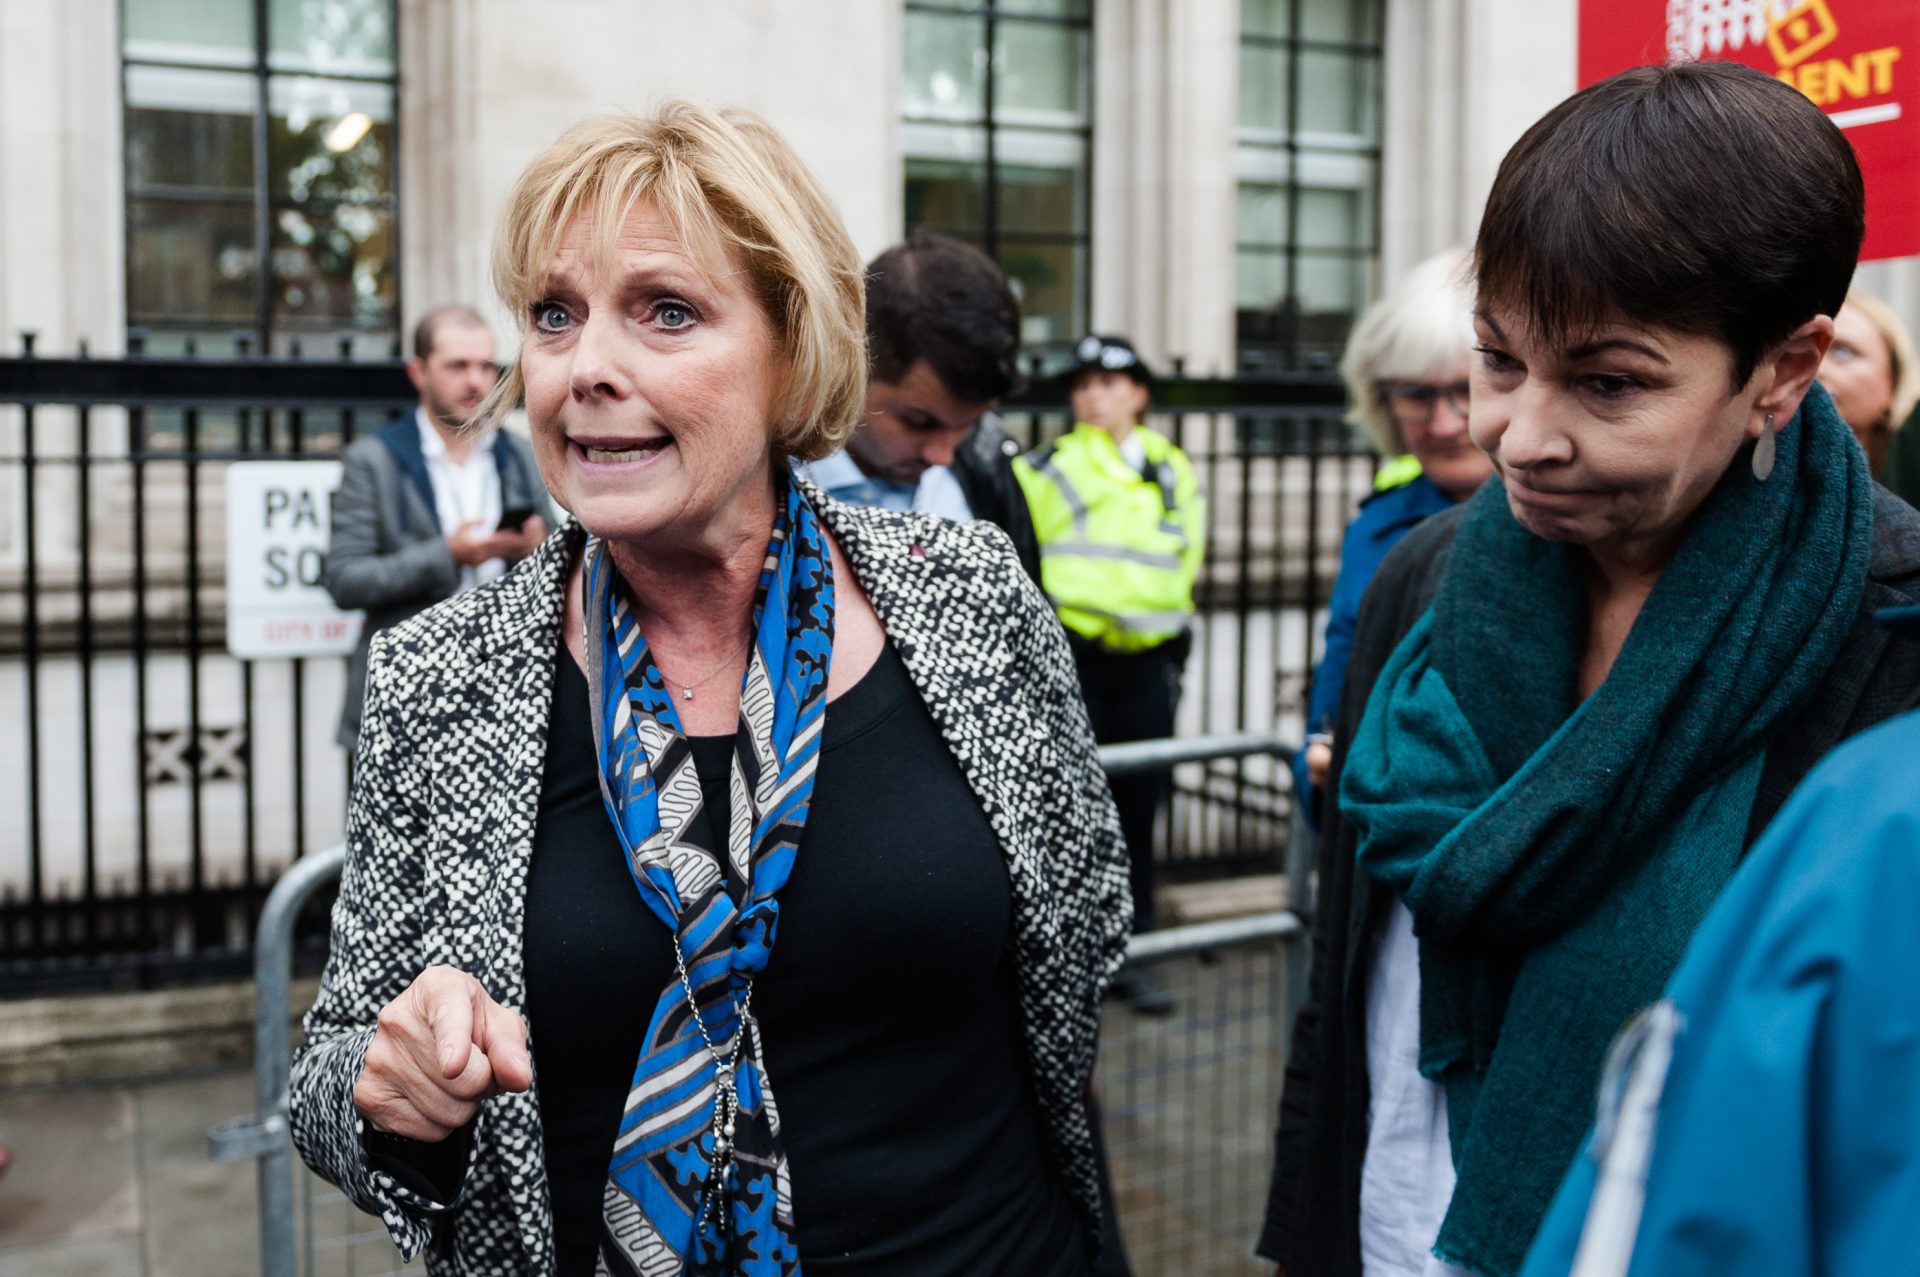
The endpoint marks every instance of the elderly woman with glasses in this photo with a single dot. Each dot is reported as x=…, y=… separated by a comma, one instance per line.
x=729, y=792
x=1576, y=699
x=1406, y=372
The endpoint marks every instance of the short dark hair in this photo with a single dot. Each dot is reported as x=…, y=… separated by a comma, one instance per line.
x=430, y=323
x=1702, y=197
x=943, y=301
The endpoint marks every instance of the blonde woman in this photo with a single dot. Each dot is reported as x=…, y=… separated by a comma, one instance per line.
x=1872, y=374
x=732, y=886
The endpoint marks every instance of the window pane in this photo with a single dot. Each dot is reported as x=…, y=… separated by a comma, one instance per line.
x=1331, y=219
x=945, y=74
x=1265, y=17
x=1046, y=279
x=333, y=265
x=1039, y=67
x=217, y=31
x=189, y=261
x=1261, y=214
x=1048, y=8
x=324, y=343
x=948, y=194
x=207, y=343
x=350, y=36
x=1259, y=280
x=1331, y=293
x=1348, y=20
x=1336, y=93
x=1327, y=284
x=330, y=139
x=189, y=128
x=1040, y=199
x=1263, y=88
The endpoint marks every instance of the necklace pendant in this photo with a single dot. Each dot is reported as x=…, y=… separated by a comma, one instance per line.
x=686, y=693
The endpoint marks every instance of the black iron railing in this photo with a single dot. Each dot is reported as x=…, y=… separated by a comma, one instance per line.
x=161, y=786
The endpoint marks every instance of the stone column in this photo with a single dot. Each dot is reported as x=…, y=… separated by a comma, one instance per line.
x=62, y=246
x=1166, y=87
x=1463, y=80
x=486, y=84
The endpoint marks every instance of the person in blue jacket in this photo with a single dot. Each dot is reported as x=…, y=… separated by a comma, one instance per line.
x=1765, y=1117
x=1406, y=372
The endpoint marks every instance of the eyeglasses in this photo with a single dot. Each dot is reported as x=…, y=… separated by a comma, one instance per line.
x=1412, y=402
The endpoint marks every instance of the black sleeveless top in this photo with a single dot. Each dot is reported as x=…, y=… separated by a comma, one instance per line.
x=888, y=1010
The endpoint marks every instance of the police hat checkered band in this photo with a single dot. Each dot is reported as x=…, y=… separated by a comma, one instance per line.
x=1109, y=355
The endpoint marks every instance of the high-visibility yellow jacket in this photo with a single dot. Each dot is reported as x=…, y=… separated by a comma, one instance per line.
x=1120, y=546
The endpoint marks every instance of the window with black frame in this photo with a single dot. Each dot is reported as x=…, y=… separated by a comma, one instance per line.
x=260, y=174
x=996, y=130
x=1307, y=158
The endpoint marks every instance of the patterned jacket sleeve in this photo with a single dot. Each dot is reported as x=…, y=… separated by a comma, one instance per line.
x=1085, y=818
x=376, y=952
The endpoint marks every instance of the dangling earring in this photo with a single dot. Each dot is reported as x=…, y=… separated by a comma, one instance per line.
x=1763, y=452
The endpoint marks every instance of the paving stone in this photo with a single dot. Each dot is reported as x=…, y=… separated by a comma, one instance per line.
x=73, y=1173
x=115, y=1255
x=176, y=1114
x=201, y=1215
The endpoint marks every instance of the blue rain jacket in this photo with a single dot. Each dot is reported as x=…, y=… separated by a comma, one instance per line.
x=1384, y=518
x=1785, y=1137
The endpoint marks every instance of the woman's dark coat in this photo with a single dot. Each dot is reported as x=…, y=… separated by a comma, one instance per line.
x=1312, y=1225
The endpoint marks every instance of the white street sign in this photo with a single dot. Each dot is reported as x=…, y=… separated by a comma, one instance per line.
x=277, y=530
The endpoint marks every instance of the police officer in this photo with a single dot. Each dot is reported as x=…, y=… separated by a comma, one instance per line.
x=1121, y=526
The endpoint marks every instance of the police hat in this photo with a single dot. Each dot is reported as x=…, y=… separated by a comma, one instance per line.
x=1096, y=353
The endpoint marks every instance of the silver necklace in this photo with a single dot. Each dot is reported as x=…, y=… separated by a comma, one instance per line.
x=722, y=1169
x=687, y=689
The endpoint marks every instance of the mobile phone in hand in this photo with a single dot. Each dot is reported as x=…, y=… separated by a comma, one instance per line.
x=515, y=517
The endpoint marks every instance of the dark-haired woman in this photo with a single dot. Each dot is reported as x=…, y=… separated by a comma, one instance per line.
x=1574, y=701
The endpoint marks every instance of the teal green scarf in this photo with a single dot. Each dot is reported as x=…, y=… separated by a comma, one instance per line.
x=1556, y=853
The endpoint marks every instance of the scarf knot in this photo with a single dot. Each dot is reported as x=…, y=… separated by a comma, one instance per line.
x=753, y=936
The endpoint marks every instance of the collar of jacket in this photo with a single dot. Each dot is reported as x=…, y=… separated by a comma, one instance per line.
x=402, y=438
x=910, y=565
x=919, y=574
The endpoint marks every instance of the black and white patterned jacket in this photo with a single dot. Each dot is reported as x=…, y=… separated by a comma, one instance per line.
x=440, y=835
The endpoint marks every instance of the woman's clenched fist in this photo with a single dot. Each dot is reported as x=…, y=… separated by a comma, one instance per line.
x=438, y=1050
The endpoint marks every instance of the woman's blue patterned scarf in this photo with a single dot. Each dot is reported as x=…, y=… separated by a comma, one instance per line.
x=662, y=1215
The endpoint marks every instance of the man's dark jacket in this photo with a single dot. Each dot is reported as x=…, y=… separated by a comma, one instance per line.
x=1312, y=1226
x=983, y=466
x=389, y=554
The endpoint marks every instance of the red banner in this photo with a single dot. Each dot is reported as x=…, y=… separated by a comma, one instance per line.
x=1849, y=56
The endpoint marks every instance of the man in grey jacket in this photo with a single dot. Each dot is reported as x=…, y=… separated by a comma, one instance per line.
x=427, y=508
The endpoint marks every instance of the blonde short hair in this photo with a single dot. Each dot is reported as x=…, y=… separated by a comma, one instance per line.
x=737, y=194
x=1901, y=360
x=1421, y=329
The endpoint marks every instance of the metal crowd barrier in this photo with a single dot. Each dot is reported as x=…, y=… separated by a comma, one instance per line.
x=1189, y=1162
